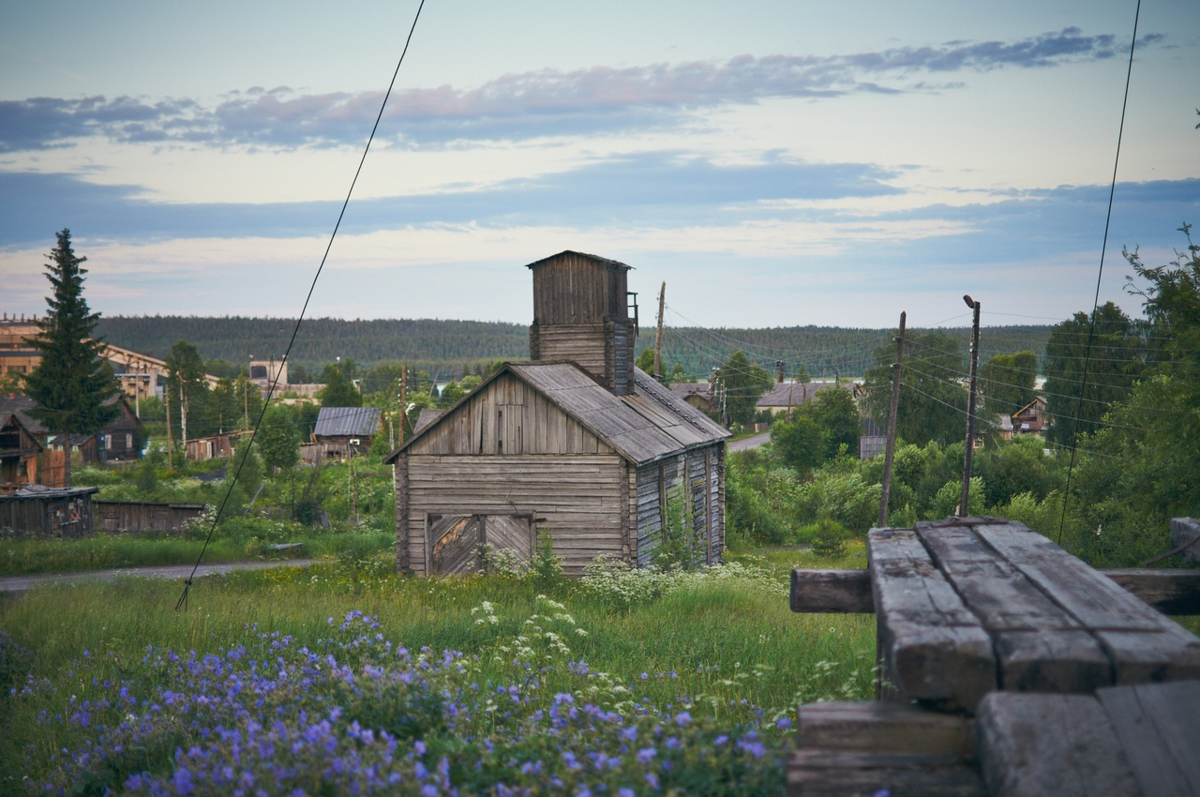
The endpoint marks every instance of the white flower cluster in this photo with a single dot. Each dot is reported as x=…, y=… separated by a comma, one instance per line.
x=621, y=585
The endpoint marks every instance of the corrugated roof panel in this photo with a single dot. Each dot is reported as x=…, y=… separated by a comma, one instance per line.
x=347, y=421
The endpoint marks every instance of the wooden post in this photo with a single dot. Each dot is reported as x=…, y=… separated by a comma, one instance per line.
x=403, y=402
x=662, y=300
x=891, y=434
x=966, y=479
x=170, y=437
x=183, y=407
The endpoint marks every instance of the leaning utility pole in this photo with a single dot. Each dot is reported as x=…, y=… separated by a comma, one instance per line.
x=891, y=432
x=183, y=408
x=966, y=479
x=662, y=300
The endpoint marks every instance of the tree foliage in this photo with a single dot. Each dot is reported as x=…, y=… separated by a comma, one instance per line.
x=1114, y=361
x=339, y=390
x=933, y=400
x=1006, y=382
x=188, y=390
x=69, y=385
x=743, y=383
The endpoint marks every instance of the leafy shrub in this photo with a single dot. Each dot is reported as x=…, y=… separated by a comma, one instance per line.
x=830, y=538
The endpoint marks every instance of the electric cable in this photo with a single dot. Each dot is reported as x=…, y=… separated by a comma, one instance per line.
x=187, y=584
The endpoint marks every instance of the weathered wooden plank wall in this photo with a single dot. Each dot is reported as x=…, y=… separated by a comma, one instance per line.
x=137, y=516
x=507, y=417
x=576, y=497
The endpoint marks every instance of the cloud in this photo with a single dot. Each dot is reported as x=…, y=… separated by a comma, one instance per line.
x=531, y=104
x=658, y=188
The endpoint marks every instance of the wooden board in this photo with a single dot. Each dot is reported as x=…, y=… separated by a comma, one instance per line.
x=1039, y=645
x=513, y=533
x=1170, y=592
x=821, y=773
x=1051, y=746
x=455, y=544
x=932, y=647
x=1159, y=729
x=880, y=727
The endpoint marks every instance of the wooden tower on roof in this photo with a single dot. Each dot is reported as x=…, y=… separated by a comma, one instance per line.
x=581, y=315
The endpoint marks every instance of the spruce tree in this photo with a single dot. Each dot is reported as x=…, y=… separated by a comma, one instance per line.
x=68, y=385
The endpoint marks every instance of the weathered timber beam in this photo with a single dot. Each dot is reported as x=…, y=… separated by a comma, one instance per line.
x=849, y=591
x=832, y=591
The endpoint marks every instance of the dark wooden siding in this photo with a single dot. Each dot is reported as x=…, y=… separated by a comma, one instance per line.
x=507, y=417
x=572, y=289
x=137, y=516
x=577, y=498
x=582, y=344
x=699, y=473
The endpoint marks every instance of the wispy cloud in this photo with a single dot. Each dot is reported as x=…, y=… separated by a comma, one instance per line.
x=656, y=188
x=531, y=104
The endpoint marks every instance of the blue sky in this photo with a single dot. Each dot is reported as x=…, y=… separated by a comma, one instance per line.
x=781, y=163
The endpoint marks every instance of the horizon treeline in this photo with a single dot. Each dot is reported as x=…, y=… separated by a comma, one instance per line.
x=445, y=347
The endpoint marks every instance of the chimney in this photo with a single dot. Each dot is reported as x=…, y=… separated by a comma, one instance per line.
x=581, y=309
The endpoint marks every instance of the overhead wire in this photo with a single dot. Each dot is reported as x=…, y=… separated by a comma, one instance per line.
x=182, y=603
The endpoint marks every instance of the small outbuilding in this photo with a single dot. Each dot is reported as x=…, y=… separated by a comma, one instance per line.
x=44, y=512
x=342, y=431
x=577, y=444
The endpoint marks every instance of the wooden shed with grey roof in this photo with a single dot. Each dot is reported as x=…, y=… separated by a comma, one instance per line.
x=577, y=444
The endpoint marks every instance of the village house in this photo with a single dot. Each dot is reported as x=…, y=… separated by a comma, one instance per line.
x=117, y=441
x=20, y=451
x=699, y=395
x=342, y=431
x=1032, y=418
x=783, y=397
x=577, y=444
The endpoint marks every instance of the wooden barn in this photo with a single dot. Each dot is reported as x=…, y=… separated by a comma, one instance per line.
x=577, y=444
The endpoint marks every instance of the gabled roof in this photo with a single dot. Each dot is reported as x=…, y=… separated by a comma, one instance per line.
x=22, y=405
x=347, y=422
x=644, y=427
x=596, y=258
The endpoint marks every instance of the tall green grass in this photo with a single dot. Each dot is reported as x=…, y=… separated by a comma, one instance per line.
x=718, y=642
x=27, y=557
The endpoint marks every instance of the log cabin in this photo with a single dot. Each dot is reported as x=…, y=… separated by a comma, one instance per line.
x=577, y=445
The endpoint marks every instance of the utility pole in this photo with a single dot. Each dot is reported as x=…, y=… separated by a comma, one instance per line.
x=662, y=300
x=891, y=432
x=403, y=402
x=170, y=437
x=183, y=408
x=966, y=480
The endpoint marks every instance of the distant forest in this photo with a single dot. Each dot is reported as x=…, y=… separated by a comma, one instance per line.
x=447, y=347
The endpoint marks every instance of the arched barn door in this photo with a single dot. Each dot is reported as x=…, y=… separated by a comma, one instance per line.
x=457, y=541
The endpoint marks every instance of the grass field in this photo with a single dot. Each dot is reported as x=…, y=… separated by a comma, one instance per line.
x=27, y=557
x=721, y=647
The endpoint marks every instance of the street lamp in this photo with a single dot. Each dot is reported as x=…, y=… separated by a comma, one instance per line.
x=966, y=479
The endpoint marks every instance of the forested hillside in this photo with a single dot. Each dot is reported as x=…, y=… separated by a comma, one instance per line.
x=444, y=346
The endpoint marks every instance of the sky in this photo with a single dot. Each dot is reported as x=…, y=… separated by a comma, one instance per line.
x=775, y=163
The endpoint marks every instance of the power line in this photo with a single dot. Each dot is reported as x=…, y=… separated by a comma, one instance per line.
x=187, y=584
x=1112, y=190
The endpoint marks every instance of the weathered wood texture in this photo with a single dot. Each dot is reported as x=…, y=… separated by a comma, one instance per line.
x=400, y=477
x=1141, y=644
x=836, y=591
x=1051, y=746
x=142, y=516
x=576, y=288
x=508, y=417
x=1186, y=531
x=682, y=493
x=1169, y=591
x=932, y=648
x=1175, y=591
x=1139, y=740
x=1159, y=729
x=576, y=497
x=863, y=748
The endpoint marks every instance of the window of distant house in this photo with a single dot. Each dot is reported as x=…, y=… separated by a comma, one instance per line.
x=129, y=441
x=258, y=372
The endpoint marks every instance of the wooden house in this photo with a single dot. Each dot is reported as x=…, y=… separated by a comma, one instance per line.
x=342, y=431
x=19, y=451
x=577, y=444
x=119, y=440
x=1032, y=418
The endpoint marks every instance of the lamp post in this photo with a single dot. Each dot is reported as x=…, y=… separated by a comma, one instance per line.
x=966, y=479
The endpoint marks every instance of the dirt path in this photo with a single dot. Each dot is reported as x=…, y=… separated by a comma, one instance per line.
x=23, y=583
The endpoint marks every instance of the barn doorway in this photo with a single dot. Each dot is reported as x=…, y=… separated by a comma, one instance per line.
x=456, y=542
